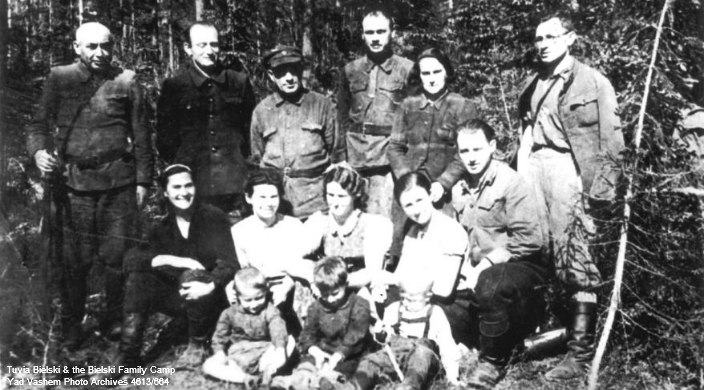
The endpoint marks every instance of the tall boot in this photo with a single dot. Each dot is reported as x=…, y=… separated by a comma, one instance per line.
x=131, y=339
x=114, y=296
x=580, y=344
x=130, y=345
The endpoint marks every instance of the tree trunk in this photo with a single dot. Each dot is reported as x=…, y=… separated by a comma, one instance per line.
x=80, y=12
x=4, y=27
x=307, y=41
x=170, y=70
x=199, y=9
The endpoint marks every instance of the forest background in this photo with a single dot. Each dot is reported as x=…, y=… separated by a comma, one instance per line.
x=658, y=340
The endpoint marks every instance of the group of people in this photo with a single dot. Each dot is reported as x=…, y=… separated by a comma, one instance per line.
x=383, y=234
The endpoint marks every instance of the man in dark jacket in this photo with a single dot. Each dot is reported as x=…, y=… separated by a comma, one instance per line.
x=101, y=157
x=203, y=121
x=570, y=146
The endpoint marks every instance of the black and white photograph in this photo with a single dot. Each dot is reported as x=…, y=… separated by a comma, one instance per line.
x=352, y=194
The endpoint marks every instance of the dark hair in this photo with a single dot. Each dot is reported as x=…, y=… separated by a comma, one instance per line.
x=187, y=31
x=379, y=9
x=170, y=171
x=350, y=181
x=431, y=52
x=410, y=180
x=473, y=125
x=330, y=273
x=259, y=176
x=565, y=18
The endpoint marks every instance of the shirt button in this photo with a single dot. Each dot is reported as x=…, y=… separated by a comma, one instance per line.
x=213, y=149
x=210, y=100
x=212, y=132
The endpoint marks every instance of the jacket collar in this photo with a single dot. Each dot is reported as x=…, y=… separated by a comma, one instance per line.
x=437, y=104
x=199, y=77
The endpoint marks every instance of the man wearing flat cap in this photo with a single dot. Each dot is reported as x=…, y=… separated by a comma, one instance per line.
x=294, y=131
x=203, y=121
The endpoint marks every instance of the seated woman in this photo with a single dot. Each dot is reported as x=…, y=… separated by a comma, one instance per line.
x=434, y=244
x=273, y=243
x=346, y=231
x=184, y=265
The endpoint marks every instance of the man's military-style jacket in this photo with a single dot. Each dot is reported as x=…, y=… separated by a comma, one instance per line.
x=98, y=126
x=203, y=122
x=366, y=109
x=587, y=106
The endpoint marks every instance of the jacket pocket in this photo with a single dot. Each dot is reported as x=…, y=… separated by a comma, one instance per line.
x=67, y=107
x=358, y=84
x=585, y=108
x=313, y=137
x=115, y=105
x=491, y=212
x=268, y=132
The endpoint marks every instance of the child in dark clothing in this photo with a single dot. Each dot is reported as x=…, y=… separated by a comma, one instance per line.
x=336, y=333
x=250, y=337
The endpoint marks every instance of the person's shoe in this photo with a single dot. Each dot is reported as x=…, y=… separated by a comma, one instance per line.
x=485, y=376
x=568, y=368
x=192, y=357
x=330, y=384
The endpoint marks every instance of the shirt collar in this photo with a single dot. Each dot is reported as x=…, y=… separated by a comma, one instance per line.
x=346, y=228
x=386, y=66
x=279, y=100
x=437, y=104
x=563, y=69
x=348, y=301
x=259, y=223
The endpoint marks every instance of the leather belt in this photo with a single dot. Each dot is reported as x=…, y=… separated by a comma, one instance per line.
x=93, y=162
x=370, y=129
x=310, y=173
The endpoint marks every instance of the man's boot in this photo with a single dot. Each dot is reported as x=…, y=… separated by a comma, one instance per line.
x=130, y=344
x=580, y=344
x=131, y=339
x=111, y=320
x=194, y=355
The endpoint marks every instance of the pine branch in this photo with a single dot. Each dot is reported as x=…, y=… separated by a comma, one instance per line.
x=618, y=277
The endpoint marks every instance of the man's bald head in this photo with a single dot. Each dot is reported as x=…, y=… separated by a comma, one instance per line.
x=94, y=46
x=91, y=30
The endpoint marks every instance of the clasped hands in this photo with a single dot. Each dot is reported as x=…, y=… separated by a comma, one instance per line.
x=323, y=360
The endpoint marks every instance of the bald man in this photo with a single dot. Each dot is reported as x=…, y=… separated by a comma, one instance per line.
x=100, y=163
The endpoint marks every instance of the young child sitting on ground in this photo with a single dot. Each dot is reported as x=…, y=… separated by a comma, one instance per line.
x=418, y=339
x=250, y=337
x=336, y=334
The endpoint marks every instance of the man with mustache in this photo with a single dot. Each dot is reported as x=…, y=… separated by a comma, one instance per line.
x=101, y=161
x=203, y=121
x=371, y=90
x=294, y=131
x=569, y=152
